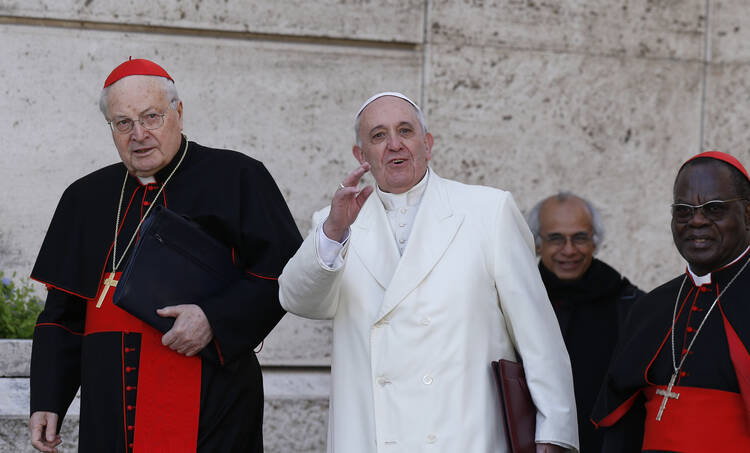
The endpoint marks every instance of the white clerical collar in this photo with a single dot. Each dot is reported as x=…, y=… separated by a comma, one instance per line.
x=409, y=198
x=706, y=279
x=147, y=180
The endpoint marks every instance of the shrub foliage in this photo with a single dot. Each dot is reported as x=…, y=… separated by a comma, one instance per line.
x=19, y=308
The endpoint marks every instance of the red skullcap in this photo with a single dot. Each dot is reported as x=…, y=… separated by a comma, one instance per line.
x=724, y=157
x=138, y=66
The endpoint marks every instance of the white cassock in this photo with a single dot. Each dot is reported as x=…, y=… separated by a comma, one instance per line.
x=414, y=334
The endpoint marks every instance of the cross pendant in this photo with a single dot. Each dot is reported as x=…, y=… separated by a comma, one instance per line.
x=666, y=394
x=109, y=282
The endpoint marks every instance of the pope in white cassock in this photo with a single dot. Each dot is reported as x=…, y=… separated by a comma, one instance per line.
x=427, y=282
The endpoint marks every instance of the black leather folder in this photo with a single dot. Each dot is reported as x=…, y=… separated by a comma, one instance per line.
x=519, y=412
x=174, y=262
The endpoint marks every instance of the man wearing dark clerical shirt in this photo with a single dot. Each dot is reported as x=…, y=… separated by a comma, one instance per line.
x=142, y=391
x=684, y=349
x=590, y=298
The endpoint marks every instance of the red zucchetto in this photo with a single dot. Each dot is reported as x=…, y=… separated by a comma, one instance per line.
x=724, y=157
x=138, y=66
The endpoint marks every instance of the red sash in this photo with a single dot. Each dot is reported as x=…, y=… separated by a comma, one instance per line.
x=700, y=420
x=169, y=384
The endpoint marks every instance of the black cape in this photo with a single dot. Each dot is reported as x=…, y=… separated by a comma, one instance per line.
x=591, y=312
x=234, y=198
x=643, y=354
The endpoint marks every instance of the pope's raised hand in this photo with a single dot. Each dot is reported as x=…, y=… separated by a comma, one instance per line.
x=346, y=203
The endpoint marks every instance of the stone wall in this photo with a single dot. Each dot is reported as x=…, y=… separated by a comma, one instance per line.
x=604, y=97
x=295, y=413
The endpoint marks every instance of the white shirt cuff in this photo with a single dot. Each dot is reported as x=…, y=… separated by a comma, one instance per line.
x=559, y=444
x=330, y=252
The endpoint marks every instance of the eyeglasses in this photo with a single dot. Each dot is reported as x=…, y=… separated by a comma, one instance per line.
x=148, y=121
x=559, y=240
x=713, y=210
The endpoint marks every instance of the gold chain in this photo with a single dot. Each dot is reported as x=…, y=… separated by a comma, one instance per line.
x=116, y=264
x=676, y=367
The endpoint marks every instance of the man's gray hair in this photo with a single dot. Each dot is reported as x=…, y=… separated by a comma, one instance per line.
x=532, y=218
x=420, y=117
x=170, y=92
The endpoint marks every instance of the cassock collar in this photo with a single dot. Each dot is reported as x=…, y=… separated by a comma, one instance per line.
x=411, y=197
x=600, y=281
x=700, y=280
x=147, y=180
x=164, y=173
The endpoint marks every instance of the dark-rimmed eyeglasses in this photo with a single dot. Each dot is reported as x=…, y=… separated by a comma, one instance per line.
x=149, y=121
x=559, y=240
x=713, y=210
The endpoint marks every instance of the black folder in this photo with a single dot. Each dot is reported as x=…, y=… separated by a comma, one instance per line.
x=174, y=262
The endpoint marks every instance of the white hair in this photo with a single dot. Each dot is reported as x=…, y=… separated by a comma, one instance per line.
x=532, y=218
x=170, y=92
x=420, y=117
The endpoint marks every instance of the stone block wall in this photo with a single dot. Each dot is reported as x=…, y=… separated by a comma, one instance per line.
x=295, y=412
x=605, y=98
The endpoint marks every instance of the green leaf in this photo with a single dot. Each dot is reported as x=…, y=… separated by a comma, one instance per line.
x=19, y=308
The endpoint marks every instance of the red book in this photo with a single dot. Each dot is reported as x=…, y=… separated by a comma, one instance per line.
x=519, y=412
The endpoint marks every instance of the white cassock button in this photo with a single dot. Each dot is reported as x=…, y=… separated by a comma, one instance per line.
x=403, y=210
x=427, y=379
x=431, y=438
x=426, y=321
x=401, y=241
x=383, y=381
x=402, y=225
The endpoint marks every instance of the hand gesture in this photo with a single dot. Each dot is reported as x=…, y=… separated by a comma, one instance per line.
x=346, y=203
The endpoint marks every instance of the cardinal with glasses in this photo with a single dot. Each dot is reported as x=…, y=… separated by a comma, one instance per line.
x=684, y=353
x=141, y=390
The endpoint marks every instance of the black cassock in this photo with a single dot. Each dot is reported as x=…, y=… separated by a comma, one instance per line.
x=234, y=198
x=591, y=312
x=712, y=412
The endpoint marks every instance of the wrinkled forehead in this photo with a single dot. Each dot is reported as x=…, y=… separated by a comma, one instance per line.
x=137, y=89
x=388, y=109
x=382, y=94
x=569, y=215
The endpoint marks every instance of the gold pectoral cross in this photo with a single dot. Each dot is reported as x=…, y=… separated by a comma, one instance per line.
x=109, y=282
x=666, y=394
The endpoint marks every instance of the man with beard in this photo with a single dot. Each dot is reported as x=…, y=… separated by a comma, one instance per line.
x=142, y=391
x=685, y=344
x=590, y=298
